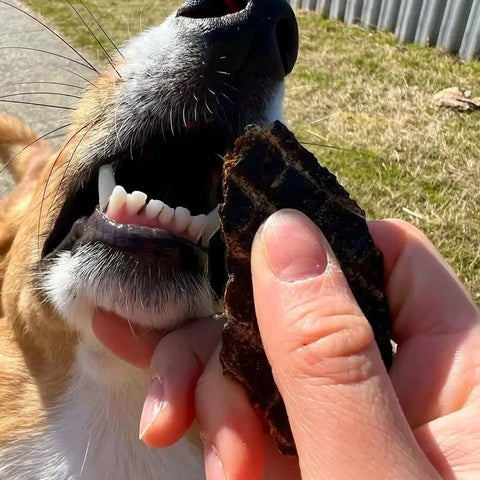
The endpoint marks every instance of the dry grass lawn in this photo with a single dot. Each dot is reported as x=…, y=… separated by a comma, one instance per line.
x=371, y=99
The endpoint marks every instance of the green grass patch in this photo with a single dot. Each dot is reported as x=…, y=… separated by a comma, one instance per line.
x=361, y=92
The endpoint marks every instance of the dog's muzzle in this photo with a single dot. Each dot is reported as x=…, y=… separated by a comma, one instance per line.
x=188, y=88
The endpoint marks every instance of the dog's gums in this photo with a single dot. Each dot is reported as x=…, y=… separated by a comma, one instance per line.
x=123, y=219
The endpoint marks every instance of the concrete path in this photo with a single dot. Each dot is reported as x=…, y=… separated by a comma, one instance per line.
x=18, y=66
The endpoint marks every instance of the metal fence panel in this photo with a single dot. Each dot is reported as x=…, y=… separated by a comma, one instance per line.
x=387, y=18
x=451, y=24
x=353, y=11
x=454, y=23
x=337, y=9
x=370, y=13
x=408, y=20
x=471, y=40
x=323, y=7
x=429, y=22
x=308, y=4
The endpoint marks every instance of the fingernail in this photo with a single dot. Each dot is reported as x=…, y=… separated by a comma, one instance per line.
x=152, y=406
x=213, y=464
x=293, y=246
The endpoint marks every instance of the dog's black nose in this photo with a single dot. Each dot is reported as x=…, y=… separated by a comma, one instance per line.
x=254, y=37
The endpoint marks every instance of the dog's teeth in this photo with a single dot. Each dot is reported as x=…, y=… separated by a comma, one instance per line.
x=135, y=202
x=212, y=225
x=106, y=185
x=153, y=208
x=181, y=219
x=166, y=215
x=117, y=199
x=197, y=227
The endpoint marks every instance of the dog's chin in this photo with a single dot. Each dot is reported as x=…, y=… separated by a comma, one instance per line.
x=142, y=291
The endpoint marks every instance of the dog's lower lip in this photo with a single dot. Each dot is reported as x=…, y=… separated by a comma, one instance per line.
x=145, y=243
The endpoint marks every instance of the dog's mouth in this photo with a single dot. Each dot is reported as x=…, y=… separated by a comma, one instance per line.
x=156, y=203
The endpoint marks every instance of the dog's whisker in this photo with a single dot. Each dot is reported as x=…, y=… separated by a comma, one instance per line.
x=72, y=137
x=112, y=43
x=59, y=94
x=24, y=12
x=208, y=107
x=46, y=52
x=184, y=115
x=230, y=86
x=78, y=75
x=17, y=84
x=195, y=109
x=67, y=166
x=140, y=20
x=87, y=449
x=105, y=53
x=115, y=126
x=35, y=104
x=12, y=158
x=171, y=122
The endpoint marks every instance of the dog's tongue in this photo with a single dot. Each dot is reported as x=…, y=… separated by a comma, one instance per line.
x=130, y=342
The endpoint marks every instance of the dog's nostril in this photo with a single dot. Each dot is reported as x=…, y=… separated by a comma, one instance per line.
x=210, y=8
x=287, y=42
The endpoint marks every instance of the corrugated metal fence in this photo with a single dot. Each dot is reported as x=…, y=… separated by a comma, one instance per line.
x=450, y=24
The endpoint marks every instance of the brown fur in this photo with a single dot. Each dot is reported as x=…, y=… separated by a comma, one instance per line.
x=36, y=350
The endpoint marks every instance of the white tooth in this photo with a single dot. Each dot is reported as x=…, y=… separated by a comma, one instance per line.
x=153, y=208
x=135, y=201
x=181, y=219
x=117, y=199
x=166, y=215
x=106, y=184
x=212, y=225
x=197, y=227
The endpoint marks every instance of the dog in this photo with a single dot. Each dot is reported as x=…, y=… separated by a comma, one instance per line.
x=123, y=218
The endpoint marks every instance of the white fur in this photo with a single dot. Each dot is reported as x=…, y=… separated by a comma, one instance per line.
x=93, y=432
x=77, y=284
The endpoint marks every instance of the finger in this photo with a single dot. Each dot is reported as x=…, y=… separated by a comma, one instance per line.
x=435, y=324
x=424, y=293
x=452, y=443
x=177, y=363
x=128, y=341
x=236, y=446
x=340, y=402
x=233, y=434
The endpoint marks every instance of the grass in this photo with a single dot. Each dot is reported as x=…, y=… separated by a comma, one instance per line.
x=360, y=92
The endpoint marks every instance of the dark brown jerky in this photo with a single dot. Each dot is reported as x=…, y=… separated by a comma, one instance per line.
x=267, y=171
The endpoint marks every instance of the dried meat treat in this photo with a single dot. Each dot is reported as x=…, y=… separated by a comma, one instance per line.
x=269, y=170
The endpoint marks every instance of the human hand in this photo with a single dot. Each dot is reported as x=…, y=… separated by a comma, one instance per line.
x=344, y=413
x=350, y=419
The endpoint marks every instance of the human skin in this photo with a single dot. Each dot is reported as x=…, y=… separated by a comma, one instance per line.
x=350, y=418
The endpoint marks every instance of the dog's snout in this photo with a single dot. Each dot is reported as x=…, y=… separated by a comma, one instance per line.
x=257, y=37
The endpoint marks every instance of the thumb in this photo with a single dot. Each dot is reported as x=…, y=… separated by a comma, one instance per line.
x=344, y=414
